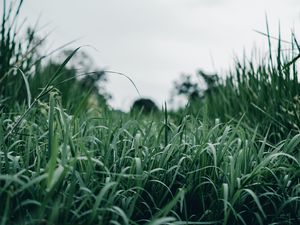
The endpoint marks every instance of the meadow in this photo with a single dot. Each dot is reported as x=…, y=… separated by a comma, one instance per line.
x=231, y=157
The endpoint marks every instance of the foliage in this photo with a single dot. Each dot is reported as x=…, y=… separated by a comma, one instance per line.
x=195, y=91
x=24, y=71
x=100, y=168
x=267, y=95
x=187, y=88
x=17, y=56
x=72, y=84
x=144, y=105
x=63, y=164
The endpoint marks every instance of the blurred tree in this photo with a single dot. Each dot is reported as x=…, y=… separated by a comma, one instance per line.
x=186, y=87
x=211, y=80
x=194, y=91
x=75, y=82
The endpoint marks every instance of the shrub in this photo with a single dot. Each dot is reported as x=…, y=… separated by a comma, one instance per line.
x=144, y=105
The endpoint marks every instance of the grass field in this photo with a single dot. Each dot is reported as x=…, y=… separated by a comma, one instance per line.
x=233, y=159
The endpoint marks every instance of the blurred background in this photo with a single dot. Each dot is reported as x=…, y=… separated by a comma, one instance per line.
x=154, y=42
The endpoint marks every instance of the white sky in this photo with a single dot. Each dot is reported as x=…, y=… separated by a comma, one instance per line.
x=154, y=41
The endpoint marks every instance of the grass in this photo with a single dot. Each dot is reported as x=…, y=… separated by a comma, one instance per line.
x=100, y=168
x=265, y=93
x=235, y=160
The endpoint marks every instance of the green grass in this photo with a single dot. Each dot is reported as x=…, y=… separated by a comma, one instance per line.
x=265, y=93
x=232, y=159
x=100, y=168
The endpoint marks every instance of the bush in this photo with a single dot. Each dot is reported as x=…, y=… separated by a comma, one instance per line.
x=144, y=105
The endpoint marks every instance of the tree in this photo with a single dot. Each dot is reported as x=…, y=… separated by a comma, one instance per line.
x=192, y=90
x=77, y=81
x=187, y=87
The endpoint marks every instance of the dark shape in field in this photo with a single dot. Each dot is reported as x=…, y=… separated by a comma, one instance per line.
x=145, y=105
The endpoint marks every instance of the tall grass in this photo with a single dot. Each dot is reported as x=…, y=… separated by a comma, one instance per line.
x=25, y=70
x=17, y=56
x=266, y=94
x=98, y=166
x=102, y=169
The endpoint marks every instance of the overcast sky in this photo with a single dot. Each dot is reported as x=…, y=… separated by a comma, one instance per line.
x=154, y=41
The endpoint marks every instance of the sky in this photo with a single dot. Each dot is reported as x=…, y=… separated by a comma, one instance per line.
x=155, y=41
